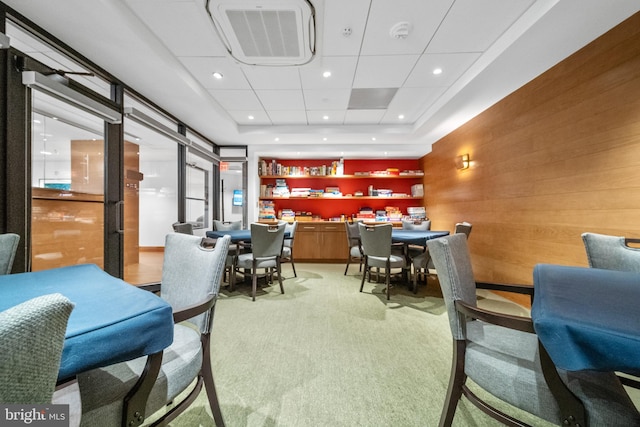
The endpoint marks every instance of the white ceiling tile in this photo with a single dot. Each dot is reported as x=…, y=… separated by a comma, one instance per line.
x=383, y=71
x=281, y=99
x=413, y=101
x=424, y=17
x=453, y=65
x=334, y=117
x=330, y=99
x=360, y=117
x=272, y=77
x=196, y=35
x=242, y=117
x=342, y=70
x=338, y=16
x=203, y=68
x=237, y=99
x=289, y=117
x=483, y=22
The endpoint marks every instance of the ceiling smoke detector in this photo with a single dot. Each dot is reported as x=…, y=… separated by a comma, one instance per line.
x=266, y=32
x=400, y=31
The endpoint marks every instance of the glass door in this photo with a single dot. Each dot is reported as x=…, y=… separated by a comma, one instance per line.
x=67, y=220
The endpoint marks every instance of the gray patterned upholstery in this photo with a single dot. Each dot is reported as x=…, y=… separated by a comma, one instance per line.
x=505, y=362
x=610, y=253
x=287, y=248
x=353, y=241
x=266, y=250
x=225, y=226
x=31, y=341
x=376, y=245
x=8, y=248
x=416, y=225
x=190, y=274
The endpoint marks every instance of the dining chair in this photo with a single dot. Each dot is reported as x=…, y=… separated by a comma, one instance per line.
x=376, y=247
x=423, y=225
x=191, y=276
x=31, y=338
x=183, y=227
x=8, y=248
x=611, y=252
x=226, y=225
x=287, y=248
x=423, y=264
x=353, y=243
x=267, y=241
x=500, y=353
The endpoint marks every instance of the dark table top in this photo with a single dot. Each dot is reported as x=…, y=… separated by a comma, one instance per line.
x=236, y=235
x=415, y=237
x=112, y=321
x=588, y=318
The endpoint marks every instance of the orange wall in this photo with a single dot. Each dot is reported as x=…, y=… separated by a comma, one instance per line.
x=554, y=159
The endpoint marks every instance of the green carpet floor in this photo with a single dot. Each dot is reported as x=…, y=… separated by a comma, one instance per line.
x=324, y=354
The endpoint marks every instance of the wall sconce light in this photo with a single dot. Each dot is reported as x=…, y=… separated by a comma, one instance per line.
x=462, y=162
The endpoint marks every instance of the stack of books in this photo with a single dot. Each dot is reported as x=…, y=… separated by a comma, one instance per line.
x=267, y=210
x=281, y=189
x=417, y=212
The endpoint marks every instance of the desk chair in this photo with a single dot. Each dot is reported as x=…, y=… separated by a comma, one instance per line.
x=8, y=248
x=31, y=338
x=191, y=277
x=611, y=252
x=376, y=246
x=287, y=249
x=266, y=250
x=501, y=354
x=355, y=248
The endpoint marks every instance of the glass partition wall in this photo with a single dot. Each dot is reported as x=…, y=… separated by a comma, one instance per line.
x=102, y=172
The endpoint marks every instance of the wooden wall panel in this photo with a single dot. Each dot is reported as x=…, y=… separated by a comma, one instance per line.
x=558, y=157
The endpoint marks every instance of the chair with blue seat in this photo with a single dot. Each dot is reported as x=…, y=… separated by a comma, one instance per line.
x=500, y=353
x=8, y=248
x=612, y=252
x=191, y=276
x=267, y=241
x=31, y=338
x=376, y=247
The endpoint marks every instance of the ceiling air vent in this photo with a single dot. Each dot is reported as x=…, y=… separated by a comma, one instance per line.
x=267, y=32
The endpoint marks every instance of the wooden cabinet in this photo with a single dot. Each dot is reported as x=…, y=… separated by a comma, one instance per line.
x=321, y=241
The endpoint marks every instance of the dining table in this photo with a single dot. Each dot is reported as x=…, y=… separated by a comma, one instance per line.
x=415, y=237
x=588, y=318
x=585, y=319
x=112, y=321
x=243, y=235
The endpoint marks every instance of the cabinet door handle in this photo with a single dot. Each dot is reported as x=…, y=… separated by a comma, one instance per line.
x=331, y=228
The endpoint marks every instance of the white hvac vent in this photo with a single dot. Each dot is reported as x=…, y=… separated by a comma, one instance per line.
x=266, y=32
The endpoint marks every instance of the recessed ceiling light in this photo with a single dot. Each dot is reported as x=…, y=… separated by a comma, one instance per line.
x=325, y=117
x=250, y=117
x=276, y=139
x=324, y=139
x=437, y=71
x=373, y=138
x=401, y=116
x=217, y=75
x=326, y=74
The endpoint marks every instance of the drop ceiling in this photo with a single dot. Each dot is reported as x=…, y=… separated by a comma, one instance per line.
x=385, y=96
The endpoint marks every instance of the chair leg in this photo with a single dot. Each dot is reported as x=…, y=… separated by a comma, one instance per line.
x=364, y=273
x=347, y=267
x=279, y=269
x=456, y=382
x=207, y=374
x=293, y=265
x=387, y=276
